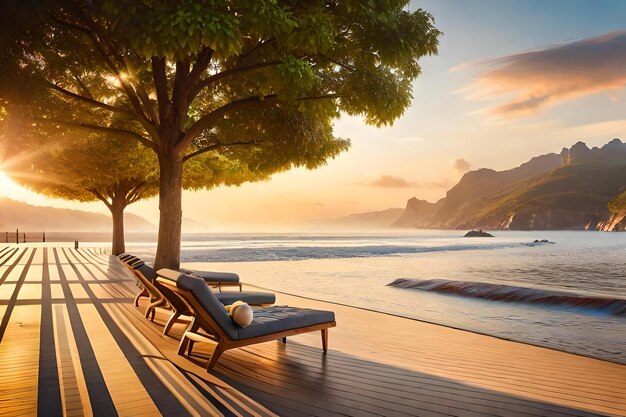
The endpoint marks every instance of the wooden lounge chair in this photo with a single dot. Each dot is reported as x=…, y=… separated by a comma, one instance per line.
x=161, y=296
x=270, y=323
x=128, y=260
x=215, y=279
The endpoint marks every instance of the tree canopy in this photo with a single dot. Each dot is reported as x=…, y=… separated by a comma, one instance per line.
x=258, y=83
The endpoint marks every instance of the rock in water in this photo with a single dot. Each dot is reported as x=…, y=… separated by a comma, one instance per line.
x=478, y=233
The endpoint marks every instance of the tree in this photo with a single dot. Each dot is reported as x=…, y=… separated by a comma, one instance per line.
x=75, y=169
x=257, y=82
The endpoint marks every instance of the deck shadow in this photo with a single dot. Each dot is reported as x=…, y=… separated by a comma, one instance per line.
x=298, y=380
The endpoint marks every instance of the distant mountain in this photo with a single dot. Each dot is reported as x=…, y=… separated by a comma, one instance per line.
x=383, y=218
x=194, y=226
x=417, y=213
x=572, y=190
x=15, y=214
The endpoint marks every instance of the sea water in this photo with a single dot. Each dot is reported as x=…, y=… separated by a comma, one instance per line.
x=568, y=295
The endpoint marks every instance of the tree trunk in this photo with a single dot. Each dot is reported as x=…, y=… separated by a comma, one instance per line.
x=117, y=212
x=170, y=207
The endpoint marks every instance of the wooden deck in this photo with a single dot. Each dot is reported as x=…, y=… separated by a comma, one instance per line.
x=71, y=343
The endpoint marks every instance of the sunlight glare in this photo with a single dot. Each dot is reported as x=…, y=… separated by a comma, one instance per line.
x=9, y=189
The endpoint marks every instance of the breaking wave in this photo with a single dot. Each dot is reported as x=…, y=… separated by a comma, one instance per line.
x=508, y=293
x=281, y=253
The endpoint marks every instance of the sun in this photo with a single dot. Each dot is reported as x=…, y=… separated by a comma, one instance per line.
x=10, y=189
x=6, y=184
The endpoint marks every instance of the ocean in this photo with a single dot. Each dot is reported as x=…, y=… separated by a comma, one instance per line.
x=568, y=293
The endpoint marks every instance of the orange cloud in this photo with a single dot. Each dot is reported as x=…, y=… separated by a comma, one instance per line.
x=541, y=78
x=389, y=181
x=461, y=165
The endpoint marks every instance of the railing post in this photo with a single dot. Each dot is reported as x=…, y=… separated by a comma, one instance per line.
x=17, y=236
x=44, y=236
x=76, y=244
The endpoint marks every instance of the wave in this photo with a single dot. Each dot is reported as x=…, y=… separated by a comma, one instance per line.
x=508, y=293
x=277, y=253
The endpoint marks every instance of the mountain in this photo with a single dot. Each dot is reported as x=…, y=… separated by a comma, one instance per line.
x=15, y=214
x=617, y=220
x=382, y=218
x=416, y=213
x=194, y=226
x=576, y=189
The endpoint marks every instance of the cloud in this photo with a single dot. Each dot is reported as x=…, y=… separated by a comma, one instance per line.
x=461, y=165
x=541, y=78
x=388, y=181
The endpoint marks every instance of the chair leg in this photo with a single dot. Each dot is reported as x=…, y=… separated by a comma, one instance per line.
x=325, y=340
x=284, y=340
x=193, y=326
x=148, y=312
x=151, y=311
x=215, y=356
x=190, y=347
x=142, y=293
x=168, y=326
x=184, y=341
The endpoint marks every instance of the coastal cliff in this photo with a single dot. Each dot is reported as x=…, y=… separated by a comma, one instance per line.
x=578, y=189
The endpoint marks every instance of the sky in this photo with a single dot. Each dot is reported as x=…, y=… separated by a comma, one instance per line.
x=513, y=79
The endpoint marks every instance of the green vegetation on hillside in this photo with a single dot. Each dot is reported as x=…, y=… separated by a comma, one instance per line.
x=618, y=204
x=574, y=194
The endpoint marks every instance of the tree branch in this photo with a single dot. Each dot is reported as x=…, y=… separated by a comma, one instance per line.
x=201, y=64
x=257, y=46
x=91, y=101
x=91, y=31
x=112, y=130
x=219, y=145
x=100, y=197
x=341, y=64
x=134, y=194
x=160, y=83
x=207, y=121
x=202, y=84
x=179, y=95
x=82, y=86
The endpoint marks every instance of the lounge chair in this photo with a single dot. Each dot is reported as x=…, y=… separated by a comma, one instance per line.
x=216, y=279
x=270, y=323
x=160, y=296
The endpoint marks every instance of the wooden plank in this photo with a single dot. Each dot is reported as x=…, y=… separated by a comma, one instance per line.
x=19, y=362
x=130, y=318
x=99, y=395
x=162, y=398
x=49, y=400
x=72, y=385
x=125, y=387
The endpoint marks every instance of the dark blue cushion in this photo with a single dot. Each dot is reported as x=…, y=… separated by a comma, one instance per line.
x=211, y=276
x=250, y=297
x=279, y=318
x=205, y=297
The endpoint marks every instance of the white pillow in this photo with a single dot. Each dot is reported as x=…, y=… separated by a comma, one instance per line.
x=240, y=312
